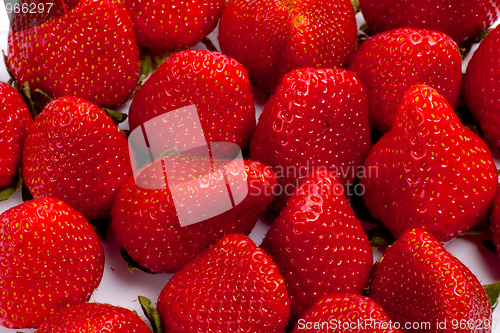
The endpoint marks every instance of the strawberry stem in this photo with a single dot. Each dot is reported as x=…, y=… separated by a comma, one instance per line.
x=492, y=292
x=131, y=264
x=116, y=116
x=482, y=36
x=43, y=93
x=25, y=87
x=355, y=3
x=6, y=192
x=151, y=313
x=146, y=66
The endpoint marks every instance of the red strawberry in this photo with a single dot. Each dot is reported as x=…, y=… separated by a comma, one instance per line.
x=461, y=19
x=418, y=281
x=233, y=287
x=272, y=37
x=390, y=63
x=145, y=218
x=15, y=119
x=74, y=152
x=350, y=313
x=317, y=118
x=51, y=258
x=429, y=171
x=216, y=84
x=319, y=246
x=169, y=25
x=495, y=220
x=95, y=318
x=481, y=90
x=90, y=52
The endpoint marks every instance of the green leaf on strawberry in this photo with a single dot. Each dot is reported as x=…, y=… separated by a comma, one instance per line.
x=492, y=292
x=151, y=313
x=6, y=192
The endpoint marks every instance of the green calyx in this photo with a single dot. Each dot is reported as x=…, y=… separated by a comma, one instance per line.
x=492, y=292
x=151, y=313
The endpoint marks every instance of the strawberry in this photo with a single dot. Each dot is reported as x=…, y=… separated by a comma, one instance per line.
x=272, y=37
x=481, y=90
x=317, y=118
x=147, y=224
x=95, y=318
x=393, y=61
x=429, y=171
x=350, y=313
x=215, y=83
x=89, y=52
x=495, y=220
x=319, y=246
x=15, y=119
x=232, y=287
x=74, y=152
x=461, y=19
x=51, y=258
x=172, y=25
x=418, y=281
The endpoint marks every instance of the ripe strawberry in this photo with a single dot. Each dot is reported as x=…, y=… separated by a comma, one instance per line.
x=350, y=313
x=495, y=220
x=146, y=222
x=51, y=258
x=172, y=25
x=15, y=119
x=74, y=152
x=317, y=118
x=461, y=19
x=319, y=246
x=271, y=38
x=89, y=52
x=94, y=318
x=216, y=84
x=429, y=171
x=481, y=90
x=233, y=287
x=418, y=281
x=390, y=63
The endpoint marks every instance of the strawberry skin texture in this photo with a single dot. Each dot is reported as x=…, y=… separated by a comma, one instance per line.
x=15, y=120
x=232, y=287
x=460, y=19
x=216, y=84
x=51, y=258
x=272, y=37
x=429, y=171
x=94, y=318
x=317, y=118
x=318, y=244
x=146, y=224
x=345, y=309
x=74, y=152
x=495, y=220
x=417, y=280
x=170, y=25
x=481, y=90
x=390, y=63
x=90, y=52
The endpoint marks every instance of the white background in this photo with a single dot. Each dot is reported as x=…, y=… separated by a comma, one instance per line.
x=121, y=287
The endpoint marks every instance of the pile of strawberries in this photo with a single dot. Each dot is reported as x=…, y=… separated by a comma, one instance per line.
x=376, y=126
